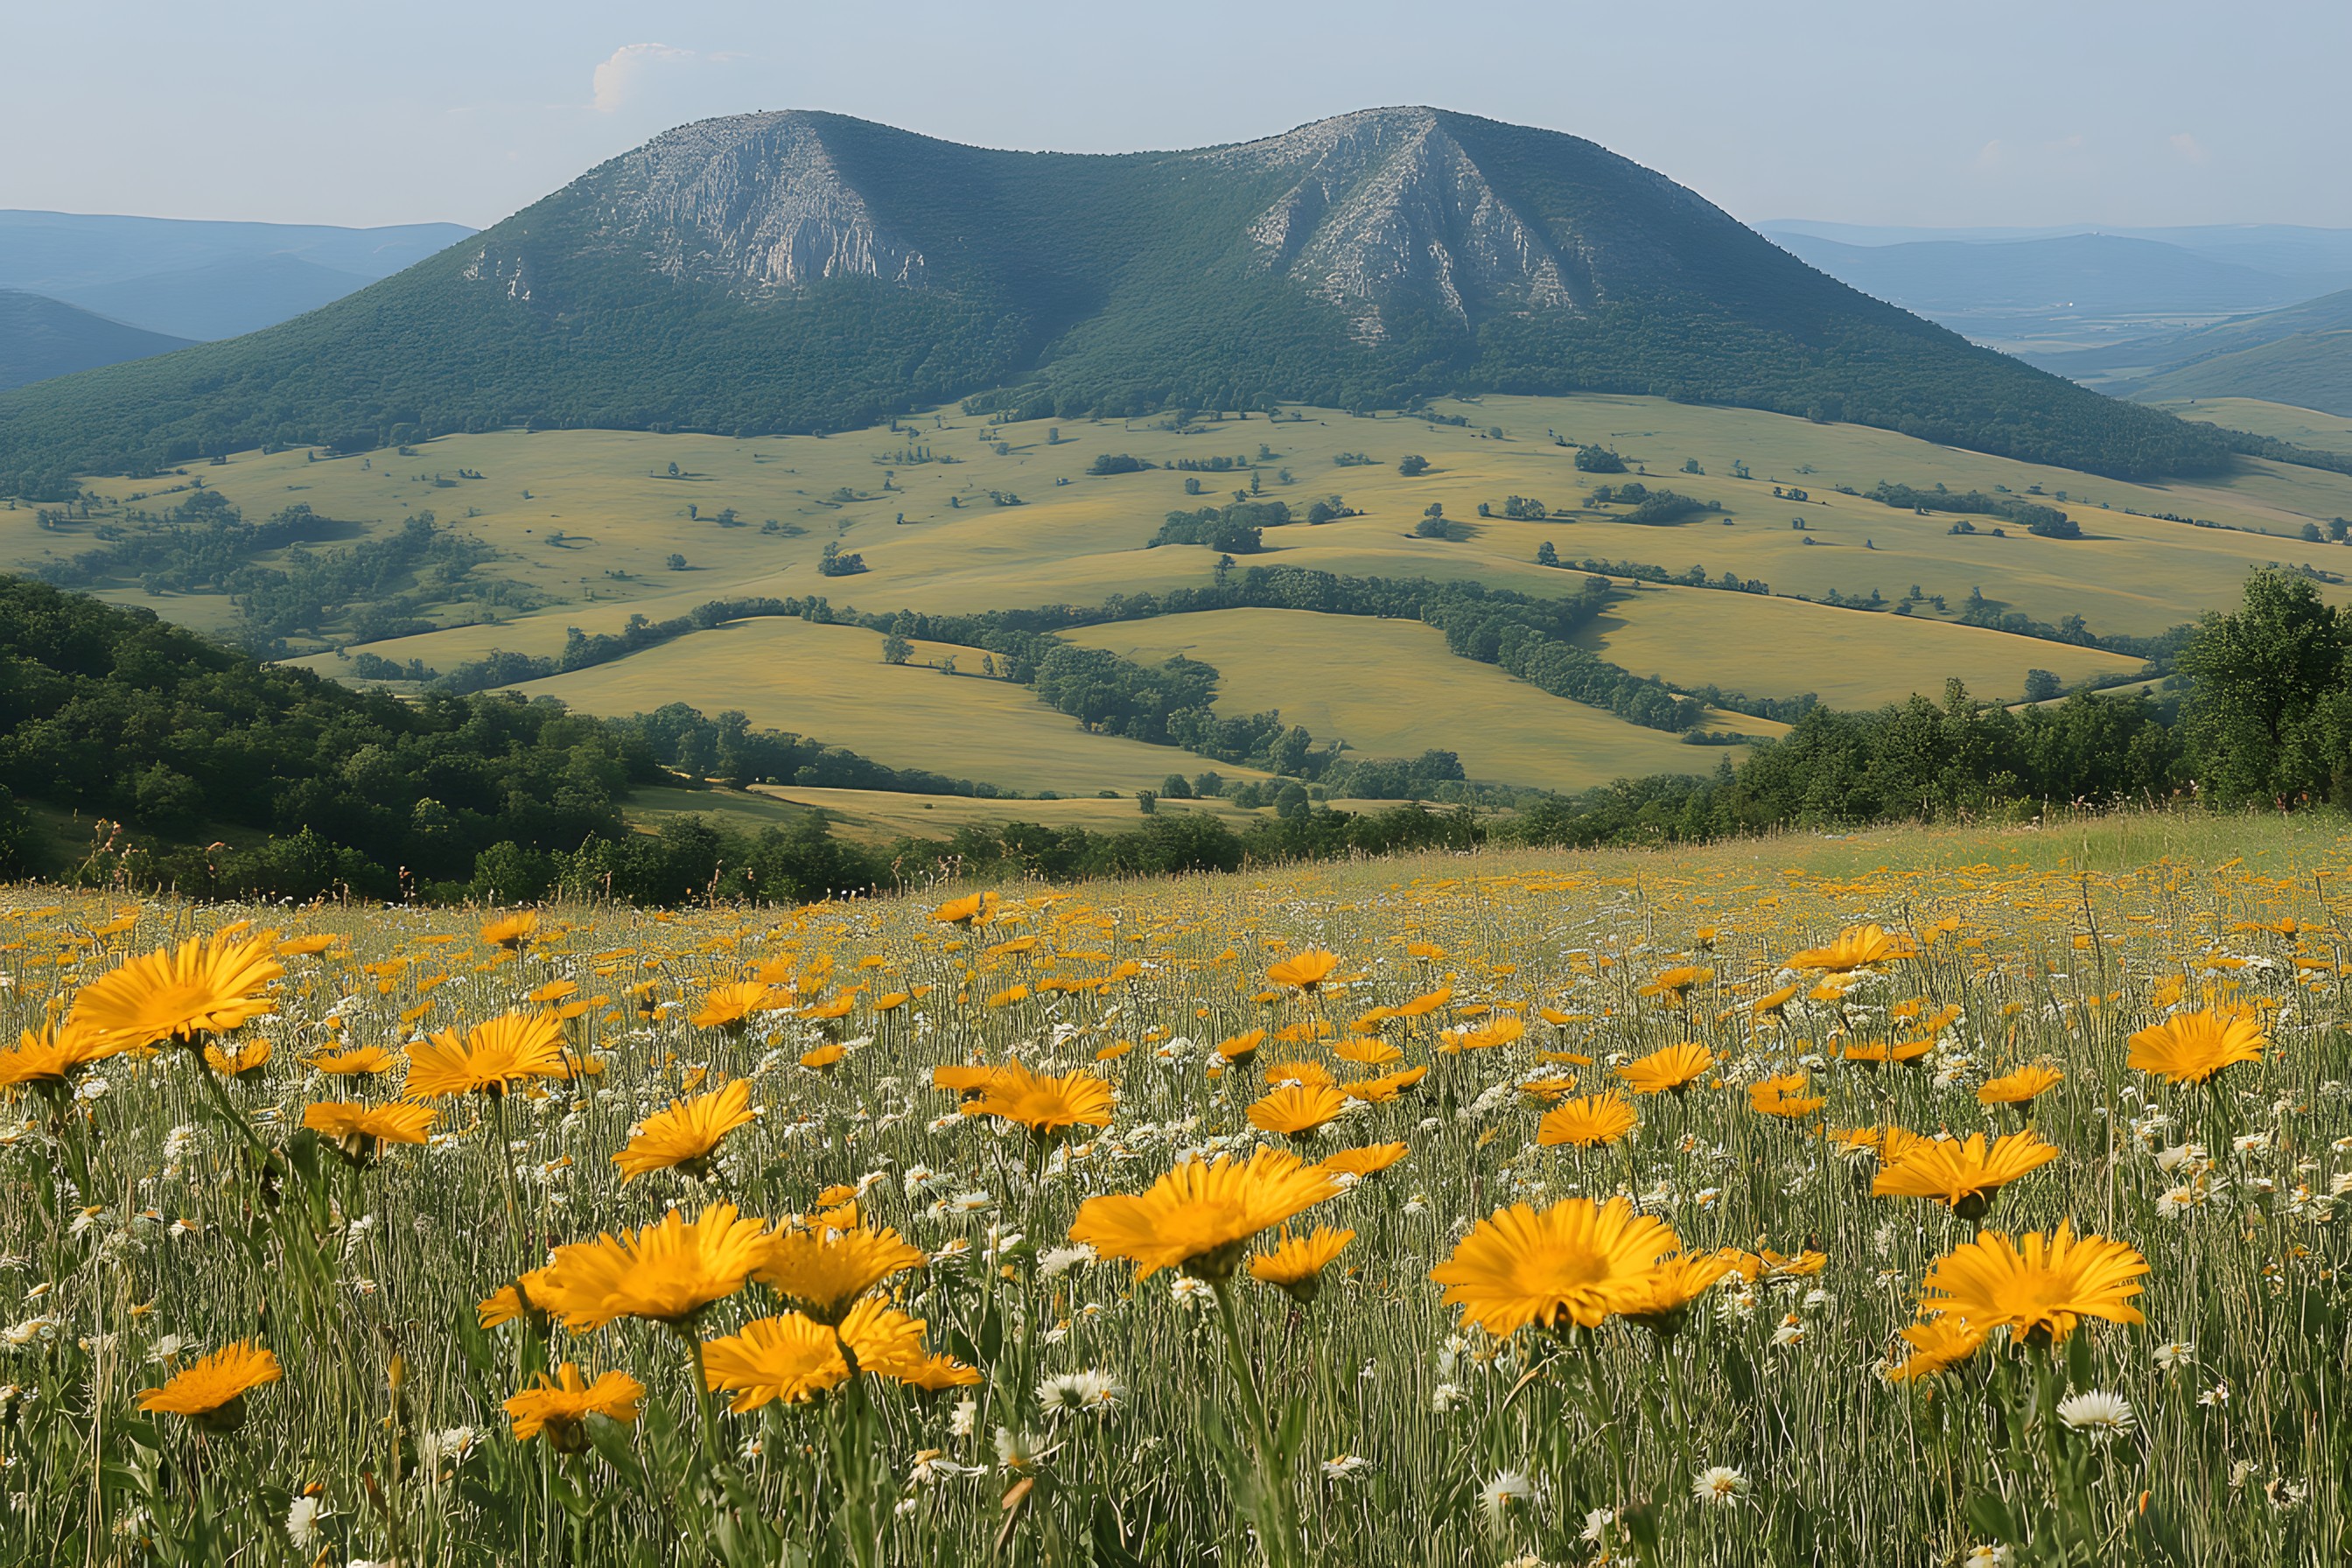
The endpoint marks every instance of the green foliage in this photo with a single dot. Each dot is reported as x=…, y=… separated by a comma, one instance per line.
x=312, y=786
x=1231, y=529
x=2047, y=522
x=2268, y=717
x=374, y=589
x=1597, y=460
x=838, y=562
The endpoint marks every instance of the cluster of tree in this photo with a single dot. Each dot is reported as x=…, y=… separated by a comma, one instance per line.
x=727, y=750
x=113, y=713
x=1591, y=460
x=1394, y=778
x=374, y=589
x=1117, y=463
x=1651, y=508
x=838, y=562
x=1694, y=576
x=1232, y=530
x=368, y=666
x=2159, y=650
x=2040, y=519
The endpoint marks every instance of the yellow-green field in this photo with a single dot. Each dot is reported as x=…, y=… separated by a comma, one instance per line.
x=1745, y=642
x=608, y=494
x=829, y=681
x=1389, y=689
x=587, y=520
x=882, y=817
x=2304, y=427
x=1917, y=1198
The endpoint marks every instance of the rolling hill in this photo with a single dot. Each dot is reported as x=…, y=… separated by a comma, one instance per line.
x=41, y=337
x=202, y=280
x=2090, y=273
x=801, y=271
x=224, y=299
x=2300, y=356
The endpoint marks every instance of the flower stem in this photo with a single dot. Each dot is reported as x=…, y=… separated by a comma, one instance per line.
x=1278, y=1536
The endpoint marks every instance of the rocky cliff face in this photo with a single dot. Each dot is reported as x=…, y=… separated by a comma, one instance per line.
x=756, y=202
x=1388, y=208
x=1385, y=213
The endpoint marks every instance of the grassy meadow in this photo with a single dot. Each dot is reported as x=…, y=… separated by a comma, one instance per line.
x=584, y=523
x=2304, y=427
x=1737, y=641
x=1388, y=688
x=829, y=681
x=164, y=1205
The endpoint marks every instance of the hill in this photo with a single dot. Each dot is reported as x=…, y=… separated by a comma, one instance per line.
x=200, y=280
x=2312, y=261
x=2091, y=273
x=951, y=516
x=805, y=271
x=221, y=298
x=40, y=338
x=2300, y=356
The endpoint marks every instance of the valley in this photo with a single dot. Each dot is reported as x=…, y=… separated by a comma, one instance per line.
x=952, y=514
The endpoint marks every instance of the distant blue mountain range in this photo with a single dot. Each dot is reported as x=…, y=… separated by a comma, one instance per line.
x=151, y=284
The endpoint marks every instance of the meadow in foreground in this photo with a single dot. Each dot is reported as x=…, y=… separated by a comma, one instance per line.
x=1537, y=1209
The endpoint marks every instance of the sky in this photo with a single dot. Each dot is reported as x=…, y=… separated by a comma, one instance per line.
x=1886, y=113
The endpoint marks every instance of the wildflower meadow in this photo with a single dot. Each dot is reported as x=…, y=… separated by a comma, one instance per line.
x=1952, y=1199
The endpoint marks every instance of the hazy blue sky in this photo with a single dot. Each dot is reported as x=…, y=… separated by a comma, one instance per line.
x=1983, y=112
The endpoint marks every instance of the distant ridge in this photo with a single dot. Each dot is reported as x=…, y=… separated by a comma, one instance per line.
x=2301, y=355
x=806, y=271
x=201, y=280
x=40, y=338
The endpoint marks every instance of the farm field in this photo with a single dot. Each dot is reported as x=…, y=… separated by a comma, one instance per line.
x=1698, y=638
x=1612, y=1203
x=830, y=681
x=1389, y=689
x=2304, y=427
x=589, y=516
x=881, y=816
x=950, y=513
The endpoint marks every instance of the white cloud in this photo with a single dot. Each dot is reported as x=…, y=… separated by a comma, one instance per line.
x=618, y=80
x=2190, y=148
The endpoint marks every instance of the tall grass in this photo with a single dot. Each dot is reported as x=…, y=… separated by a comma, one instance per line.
x=142, y=1228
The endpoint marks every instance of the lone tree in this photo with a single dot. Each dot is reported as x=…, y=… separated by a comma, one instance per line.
x=1414, y=466
x=2267, y=716
x=897, y=649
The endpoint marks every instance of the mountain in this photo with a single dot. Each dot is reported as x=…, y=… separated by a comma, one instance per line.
x=2314, y=261
x=2301, y=355
x=223, y=299
x=40, y=338
x=2038, y=293
x=199, y=279
x=2091, y=273
x=808, y=271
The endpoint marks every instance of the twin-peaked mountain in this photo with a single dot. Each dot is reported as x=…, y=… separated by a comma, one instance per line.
x=804, y=271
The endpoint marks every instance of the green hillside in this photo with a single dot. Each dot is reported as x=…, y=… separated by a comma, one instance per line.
x=2300, y=356
x=40, y=338
x=2308, y=370
x=805, y=271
